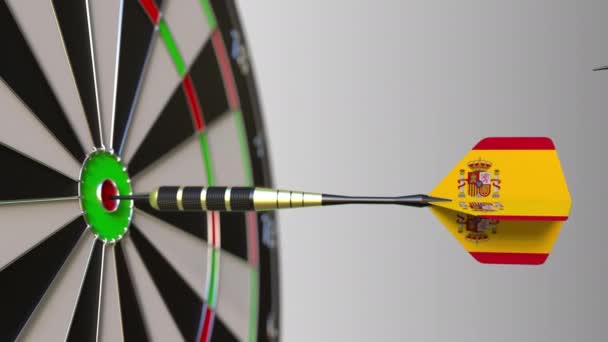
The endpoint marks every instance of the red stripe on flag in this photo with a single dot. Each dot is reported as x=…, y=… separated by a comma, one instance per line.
x=222, y=59
x=524, y=218
x=193, y=103
x=515, y=143
x=151, y=10
x=510, y=258
x=206, y=331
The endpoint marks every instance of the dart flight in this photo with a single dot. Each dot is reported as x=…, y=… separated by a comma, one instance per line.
x=509, y=199
x=505, y=201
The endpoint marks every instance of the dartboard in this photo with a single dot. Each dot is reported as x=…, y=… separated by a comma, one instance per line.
x=120, y=96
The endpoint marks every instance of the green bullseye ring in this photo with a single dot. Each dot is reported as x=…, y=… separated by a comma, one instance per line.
x=98, y=167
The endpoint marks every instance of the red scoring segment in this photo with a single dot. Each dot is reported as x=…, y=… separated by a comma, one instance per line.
x=207, y=324
x=222, y=58
x=107, y=190
x=151, y=10
x=193, y=103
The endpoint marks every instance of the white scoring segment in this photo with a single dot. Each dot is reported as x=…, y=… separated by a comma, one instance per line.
x=182, y=166
x=52, y=317
x=233, y=301
x=25, y=230
x=23, y=132
x=160, y=80
x=225, y=149
x=40, y=28
x=157, y=319
x=186, y=253
x=110, y=319
x=234, y=294
x=188, y=25
x=106, y=18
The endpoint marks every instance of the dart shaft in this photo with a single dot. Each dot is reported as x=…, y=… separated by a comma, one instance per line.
x=198, y=198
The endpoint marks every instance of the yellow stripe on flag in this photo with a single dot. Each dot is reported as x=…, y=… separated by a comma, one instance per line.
x=499, y=236
x=507, y=183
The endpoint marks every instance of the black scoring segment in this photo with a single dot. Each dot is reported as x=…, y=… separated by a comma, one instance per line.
x=173, y=126
x=84, y=321
x=194, y=223
x=205, y=71
x=31, y=180
x=234, y=233
x=133, y=326
x=183, y=303
x=25, y=281
x=72, y=17
x=136, y=39
x=20, y=70
x=220, y=332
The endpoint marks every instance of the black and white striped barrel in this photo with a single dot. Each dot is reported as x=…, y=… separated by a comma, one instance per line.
x=198, y=198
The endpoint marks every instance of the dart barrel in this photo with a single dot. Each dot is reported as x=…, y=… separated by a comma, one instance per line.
x=197, y=198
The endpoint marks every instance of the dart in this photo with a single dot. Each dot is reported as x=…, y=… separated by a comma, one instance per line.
x=193, y=198
x=516, y=182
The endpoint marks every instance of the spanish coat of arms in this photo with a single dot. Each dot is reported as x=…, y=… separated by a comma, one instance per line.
x=481, y=181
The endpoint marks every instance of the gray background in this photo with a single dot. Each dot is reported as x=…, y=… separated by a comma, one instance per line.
x=385, y=97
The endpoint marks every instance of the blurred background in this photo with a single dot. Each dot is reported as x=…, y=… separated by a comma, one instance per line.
x=384, y=97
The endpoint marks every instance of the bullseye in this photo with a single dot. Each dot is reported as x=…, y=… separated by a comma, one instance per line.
x=105, y=191
x=102, y=177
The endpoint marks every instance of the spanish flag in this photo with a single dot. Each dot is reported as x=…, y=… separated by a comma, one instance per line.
x=509, y=199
